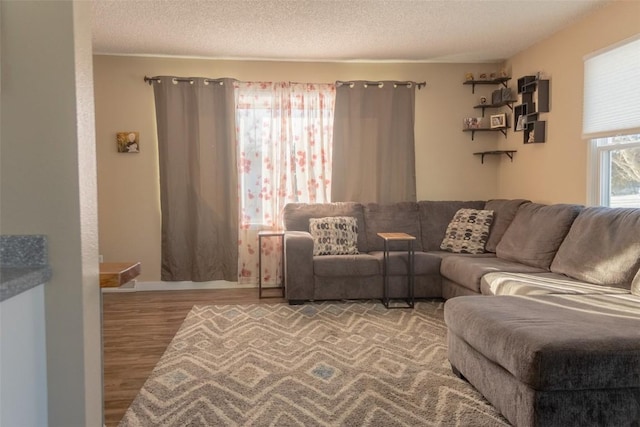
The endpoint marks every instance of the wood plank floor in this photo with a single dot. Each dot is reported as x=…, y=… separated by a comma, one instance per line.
x=137, y=328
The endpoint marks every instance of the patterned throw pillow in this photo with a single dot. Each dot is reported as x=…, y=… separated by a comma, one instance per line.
x=336, y=235
x=468, y=231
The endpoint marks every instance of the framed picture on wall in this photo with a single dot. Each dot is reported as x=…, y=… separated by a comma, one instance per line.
x=498, y=121
x=128, y=142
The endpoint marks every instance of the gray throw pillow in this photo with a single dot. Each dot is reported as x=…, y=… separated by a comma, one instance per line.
x=468, y=231
x=337, y=235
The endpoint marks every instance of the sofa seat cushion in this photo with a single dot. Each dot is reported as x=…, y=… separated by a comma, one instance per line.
x=446, y=254
x=554, y=342
x=599, y=234
x=346, y=265
x=540, y=284
x=467, y=271
x=423, y=263
x=535, y=234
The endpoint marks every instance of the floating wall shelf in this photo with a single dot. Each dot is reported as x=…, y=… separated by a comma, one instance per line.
x=500, y=80
x=473, y=131
x=508, y=153
x=526, y=115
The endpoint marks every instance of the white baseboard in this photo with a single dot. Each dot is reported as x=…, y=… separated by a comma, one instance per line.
x=135, y=286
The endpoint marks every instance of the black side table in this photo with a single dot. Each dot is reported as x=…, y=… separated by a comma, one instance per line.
x=398, y=237
x=270, y=234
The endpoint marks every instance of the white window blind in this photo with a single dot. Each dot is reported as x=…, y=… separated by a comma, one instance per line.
x=612, y=91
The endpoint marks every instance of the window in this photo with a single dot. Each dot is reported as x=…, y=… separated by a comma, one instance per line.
x=284, y=133
x=617, y=171
x=611, y=121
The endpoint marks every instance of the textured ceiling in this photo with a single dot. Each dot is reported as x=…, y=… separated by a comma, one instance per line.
x=331, y=30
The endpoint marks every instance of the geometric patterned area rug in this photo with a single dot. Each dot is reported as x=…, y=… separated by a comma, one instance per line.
x=317, y=364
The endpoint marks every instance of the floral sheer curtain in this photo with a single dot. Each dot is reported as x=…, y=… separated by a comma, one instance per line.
x=284, y=133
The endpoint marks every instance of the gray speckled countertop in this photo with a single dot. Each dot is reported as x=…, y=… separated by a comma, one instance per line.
x=23, y=264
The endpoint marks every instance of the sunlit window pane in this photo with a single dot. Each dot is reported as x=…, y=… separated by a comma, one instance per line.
x=624, y=177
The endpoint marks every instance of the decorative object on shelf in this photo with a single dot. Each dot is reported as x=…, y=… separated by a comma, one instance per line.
x=128, y=142
x=496, y=96
x=527, y=114
x=483, y=76
x=468, y=77
x=506, y=94
x=472, y=122
x=498, y=121
x=503, y=73
x=483, y=100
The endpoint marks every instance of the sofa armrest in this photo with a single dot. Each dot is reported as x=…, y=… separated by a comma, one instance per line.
x=298, y=255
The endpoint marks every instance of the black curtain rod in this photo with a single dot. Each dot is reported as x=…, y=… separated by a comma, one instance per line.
x=419, y=85
x=150, y=80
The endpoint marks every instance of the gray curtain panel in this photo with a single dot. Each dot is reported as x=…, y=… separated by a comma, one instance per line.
x=198, y=179
x=373, y=143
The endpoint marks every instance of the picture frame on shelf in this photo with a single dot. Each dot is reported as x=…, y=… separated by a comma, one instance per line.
x=520, y=123
x=498, y=121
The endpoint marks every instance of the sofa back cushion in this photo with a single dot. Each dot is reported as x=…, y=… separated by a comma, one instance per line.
x=296, y=217
x=536, y=232
x=602, y=247
x=400, y=217
x=435, y=216
x=503, y=213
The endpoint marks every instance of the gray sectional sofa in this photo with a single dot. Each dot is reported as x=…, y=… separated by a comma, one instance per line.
x=557, y=343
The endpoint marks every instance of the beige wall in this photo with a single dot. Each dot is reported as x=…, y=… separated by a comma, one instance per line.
x=129, y=208
x=557, y=170
x=48, y=186
x=128, y=189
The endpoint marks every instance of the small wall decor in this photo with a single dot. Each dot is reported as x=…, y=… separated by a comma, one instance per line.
x=468, y=77
x=498, y=121
x=483, y=100
x=128, y=142
x=496, y=96
x=472, y=123
x=507, y=94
